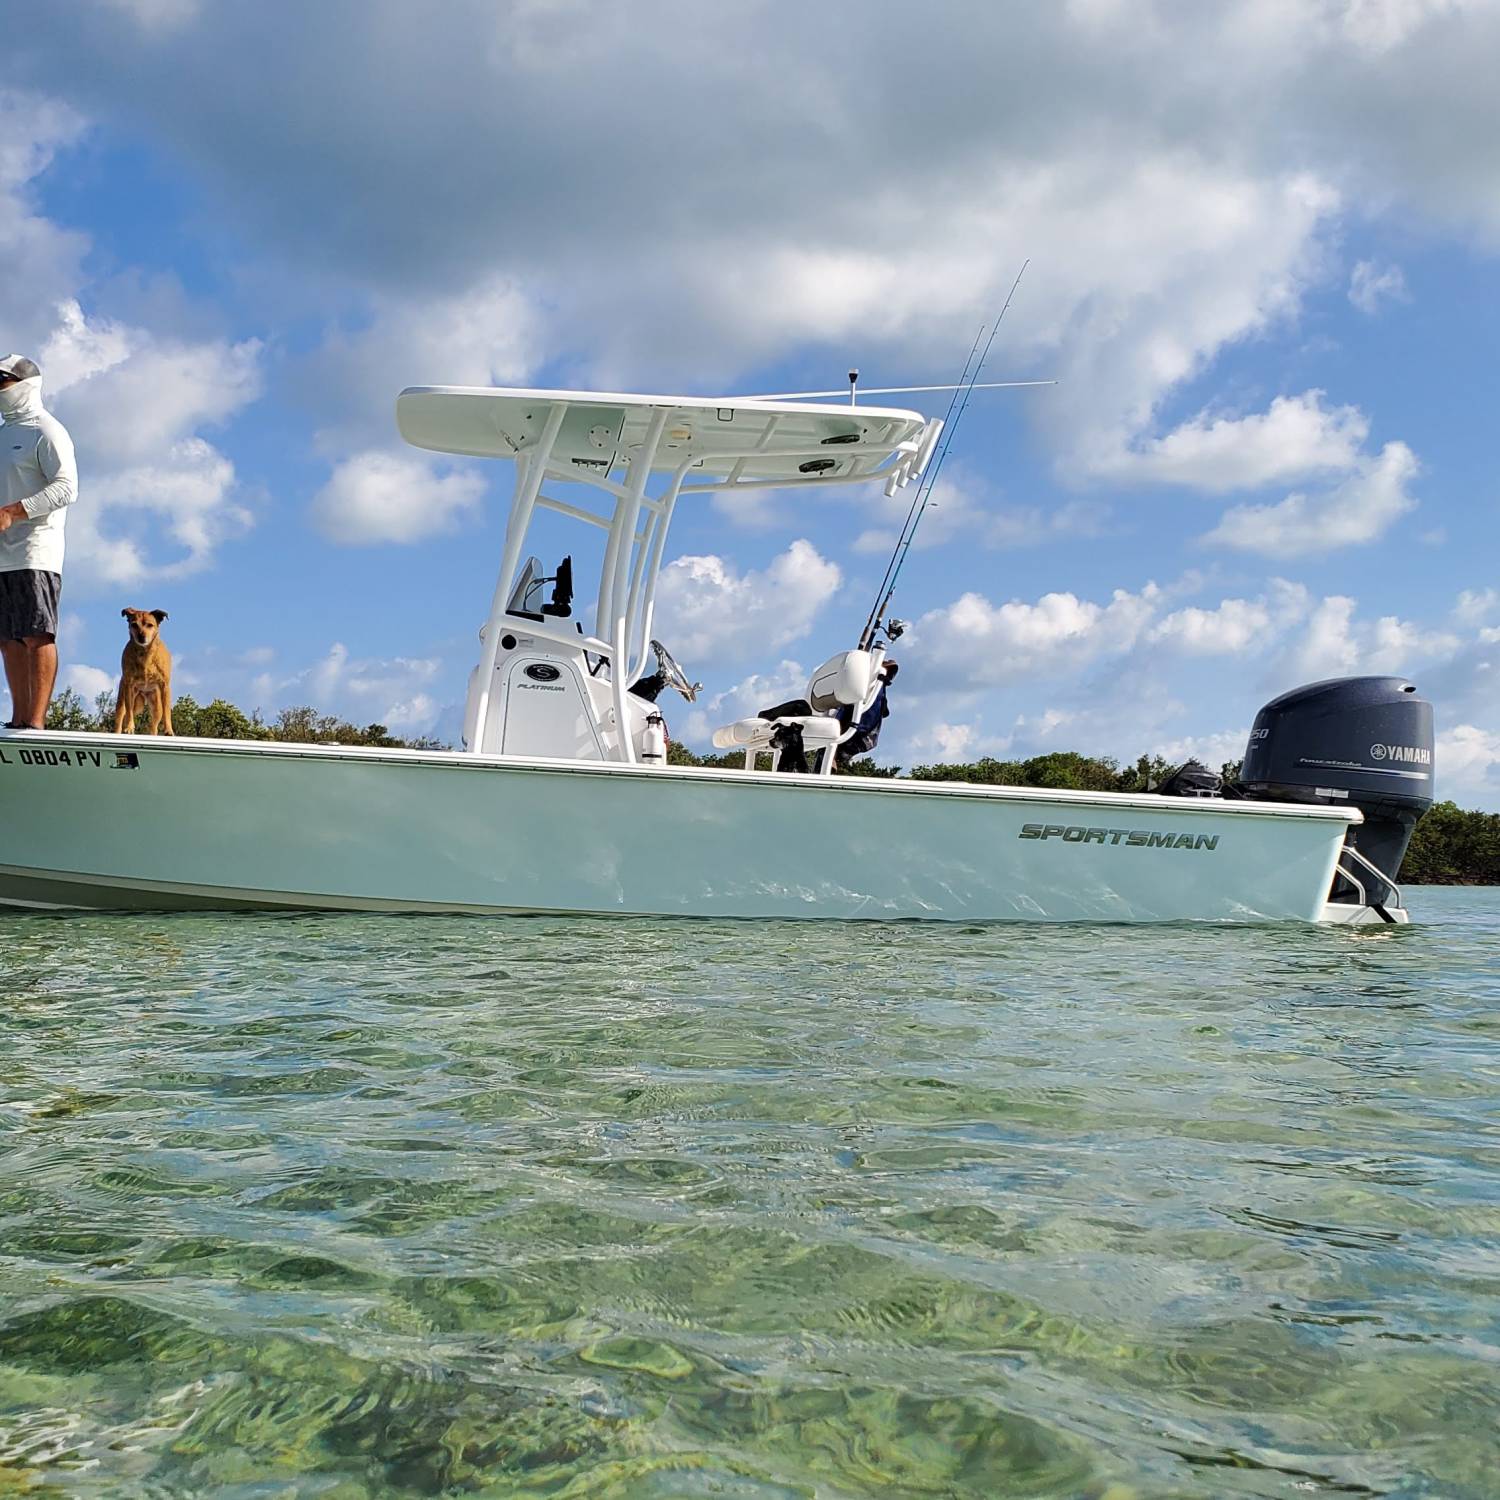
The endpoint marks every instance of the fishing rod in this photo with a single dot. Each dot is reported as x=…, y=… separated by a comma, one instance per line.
x=868, y=632
x=923, y=497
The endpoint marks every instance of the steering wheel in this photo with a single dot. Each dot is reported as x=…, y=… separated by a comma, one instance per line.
x=674, y=674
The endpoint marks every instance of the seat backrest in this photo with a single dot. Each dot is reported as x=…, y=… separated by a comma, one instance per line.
x=843, y=681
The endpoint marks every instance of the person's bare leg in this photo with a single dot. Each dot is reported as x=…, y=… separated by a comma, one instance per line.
x=18, y=680
x=42, y=651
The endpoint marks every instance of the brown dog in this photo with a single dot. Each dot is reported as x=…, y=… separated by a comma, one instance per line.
x=145, y=674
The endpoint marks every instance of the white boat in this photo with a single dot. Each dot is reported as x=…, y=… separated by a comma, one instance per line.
x=561, y=798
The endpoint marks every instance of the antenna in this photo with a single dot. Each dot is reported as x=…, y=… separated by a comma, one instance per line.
x=893, y=390
x=923, y=497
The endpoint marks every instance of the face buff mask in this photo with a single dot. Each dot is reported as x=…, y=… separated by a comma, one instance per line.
x=20, y=397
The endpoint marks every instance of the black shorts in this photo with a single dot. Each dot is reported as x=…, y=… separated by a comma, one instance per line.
x=28, y=604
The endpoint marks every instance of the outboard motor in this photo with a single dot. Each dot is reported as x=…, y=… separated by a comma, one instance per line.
x=1360, y=741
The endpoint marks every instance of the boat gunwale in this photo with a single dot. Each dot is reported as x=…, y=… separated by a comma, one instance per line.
x=463, y=760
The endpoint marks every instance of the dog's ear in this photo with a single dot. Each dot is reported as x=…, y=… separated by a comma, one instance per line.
x=124, y=614
x=158, y=615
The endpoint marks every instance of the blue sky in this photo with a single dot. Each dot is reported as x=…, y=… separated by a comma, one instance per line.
x=1263, y=243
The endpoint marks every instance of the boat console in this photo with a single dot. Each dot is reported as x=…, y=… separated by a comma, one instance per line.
x=546, y=685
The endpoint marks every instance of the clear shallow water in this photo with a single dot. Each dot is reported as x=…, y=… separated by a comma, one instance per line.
x=353, y=1207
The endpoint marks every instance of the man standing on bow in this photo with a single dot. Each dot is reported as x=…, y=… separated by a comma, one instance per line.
x=38, y=481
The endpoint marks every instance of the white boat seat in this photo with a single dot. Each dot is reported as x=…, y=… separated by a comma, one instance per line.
x=843, y=681
x=818, y=730
x=741, y=733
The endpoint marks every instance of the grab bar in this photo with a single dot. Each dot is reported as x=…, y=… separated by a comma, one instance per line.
x=1373, y=869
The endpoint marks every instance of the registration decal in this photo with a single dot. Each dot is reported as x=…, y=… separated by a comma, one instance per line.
x=77, y=760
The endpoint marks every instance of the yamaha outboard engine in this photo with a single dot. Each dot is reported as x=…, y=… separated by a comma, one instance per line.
x=1353, y=741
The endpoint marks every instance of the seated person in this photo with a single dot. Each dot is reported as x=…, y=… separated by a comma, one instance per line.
x=867, y=732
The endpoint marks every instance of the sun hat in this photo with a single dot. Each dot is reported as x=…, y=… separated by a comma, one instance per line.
x=18, y=367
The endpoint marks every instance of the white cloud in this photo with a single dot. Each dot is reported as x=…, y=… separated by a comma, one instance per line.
x=1380, y=26
x=711, y=613
x=1297, y=436
x=952, y=509
x=1139, y=645
x=133, y=402
x=1144, y=692
x=1032, y=525
x=88, y=682
x=77, y=349
x=156, y=16
x=42, y=261
x=187, y=497
x=1212, y=750
x=1359, y=510
x=1169, y=220
x=1234, y=626
x=1327, y=647
x=1396, y=644
x=980, y=644
x=1467, y=762
x=327, y=676
x=1122, y=729
x=743, y=700
x=484, y=334
x=412, y=715
x=959, y=508
x=394, y=691
x=1228, y=269
x=1333, y=642
x=946, y=742
x=1475, y=606
x=754, y=510
x=1188, y=202
x=152, y=392
x=1370, y=285
x=1124, y=713
x=1200, y=253
x=378, y=496
x=133, y=399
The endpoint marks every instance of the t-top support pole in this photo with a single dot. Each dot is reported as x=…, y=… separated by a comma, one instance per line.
x=623, y=544
x=529, y=477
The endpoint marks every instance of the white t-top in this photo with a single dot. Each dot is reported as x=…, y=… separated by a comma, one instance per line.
x=39, y=470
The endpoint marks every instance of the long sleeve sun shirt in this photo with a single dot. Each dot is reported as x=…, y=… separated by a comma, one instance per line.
x=38, y=468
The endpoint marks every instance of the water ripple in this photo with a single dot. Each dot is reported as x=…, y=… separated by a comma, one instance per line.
x=360, y=1207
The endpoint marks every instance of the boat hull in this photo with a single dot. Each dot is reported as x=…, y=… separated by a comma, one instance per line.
x=104, y=822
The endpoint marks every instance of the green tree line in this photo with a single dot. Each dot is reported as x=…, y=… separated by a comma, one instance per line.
x=1451, y=846
x=221, y=720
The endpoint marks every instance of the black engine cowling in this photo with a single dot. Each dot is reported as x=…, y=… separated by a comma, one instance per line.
x=1352, y=741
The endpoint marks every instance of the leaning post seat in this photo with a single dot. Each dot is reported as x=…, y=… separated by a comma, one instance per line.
x=818, y=730
x=847, y=680
x=753, y=736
